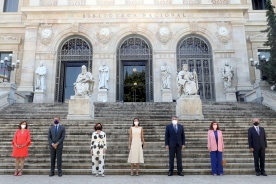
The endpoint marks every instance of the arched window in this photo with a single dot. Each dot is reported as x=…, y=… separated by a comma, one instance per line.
x=258, y=4
x=10, y=6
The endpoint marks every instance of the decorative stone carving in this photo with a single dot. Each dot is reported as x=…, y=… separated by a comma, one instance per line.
x=191, y=1
x=84, y=84
x=164, y=34
x=163, y=2
x=224, y=34
x=103, y=76
x=257, y=36
x=104, y=35
x=75, y=27
x=134, y=2
x=134, y=27
x=46, y=35
x=193, y=26
x=49, y=2
x=76, y=2
x=227, y=75
x=187, y=82
x=189, y=107
x=40, y=77
x=220, y=1
x=11, y=39
x=166, y=77
x=105, y=2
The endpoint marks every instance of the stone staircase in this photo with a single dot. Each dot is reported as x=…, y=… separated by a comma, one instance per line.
x=234, y=120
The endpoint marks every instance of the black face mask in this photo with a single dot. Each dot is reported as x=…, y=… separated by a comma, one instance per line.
x=256, y=123
x=98, y=128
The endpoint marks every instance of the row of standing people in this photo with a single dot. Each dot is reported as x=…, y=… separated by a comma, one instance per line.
x=174, y=143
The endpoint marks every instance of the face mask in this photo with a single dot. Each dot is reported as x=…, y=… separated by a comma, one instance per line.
x=56, y=122
x=23, y=126
x=98, y=128
x=136, y=123
x=174, y=122
x=256, y=123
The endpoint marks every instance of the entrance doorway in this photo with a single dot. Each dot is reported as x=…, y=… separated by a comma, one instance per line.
x=134, y=81
x=134, y=76
x=72, y=70
x=73, y=52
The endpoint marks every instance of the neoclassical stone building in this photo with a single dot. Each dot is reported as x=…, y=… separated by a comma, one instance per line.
x=133, y=36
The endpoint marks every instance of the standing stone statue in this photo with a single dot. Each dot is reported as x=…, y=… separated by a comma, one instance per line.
x=187, y=82
x=103, y=77
x=166, y=77
x=40, y=77
x=84, y=84
x=227, y=75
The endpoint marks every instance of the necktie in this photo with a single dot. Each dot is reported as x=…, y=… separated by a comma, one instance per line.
x=258, y=130
x=56, y=129
x=175, y=128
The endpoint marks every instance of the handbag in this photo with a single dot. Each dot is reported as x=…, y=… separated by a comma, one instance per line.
x=223, y=162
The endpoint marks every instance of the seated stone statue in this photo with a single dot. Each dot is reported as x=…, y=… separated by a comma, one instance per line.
x=187, y=83
x=84, y=84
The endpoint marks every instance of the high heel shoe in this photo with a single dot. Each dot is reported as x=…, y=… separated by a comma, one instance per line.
x=19, y=174
x=15, y=174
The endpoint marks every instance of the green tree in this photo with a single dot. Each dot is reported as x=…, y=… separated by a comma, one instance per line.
x=269, y=68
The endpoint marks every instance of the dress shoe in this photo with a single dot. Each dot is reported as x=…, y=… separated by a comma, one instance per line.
x=180, y=174
x=264, y=174
x=52, y=174
x=258, y=173
x=170, y=174
x=59, y=174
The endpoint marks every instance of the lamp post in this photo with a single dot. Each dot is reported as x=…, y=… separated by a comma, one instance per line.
x=259, y=64
x=8, y=66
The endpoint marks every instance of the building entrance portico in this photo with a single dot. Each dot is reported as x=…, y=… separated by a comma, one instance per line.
x=195, y=51
x=134, y=77
x=74, y=52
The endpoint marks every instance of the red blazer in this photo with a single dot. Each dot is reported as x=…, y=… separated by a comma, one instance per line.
x=212, y=144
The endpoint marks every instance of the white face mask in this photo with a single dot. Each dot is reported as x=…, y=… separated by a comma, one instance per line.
x=23, y=126
x=174, y=122
x=136, y=122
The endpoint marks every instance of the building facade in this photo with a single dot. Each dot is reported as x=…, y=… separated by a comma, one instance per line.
x=133, y=37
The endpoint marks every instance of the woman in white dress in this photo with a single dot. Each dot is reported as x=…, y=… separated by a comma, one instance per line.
x=136, y=137
x=98, y=150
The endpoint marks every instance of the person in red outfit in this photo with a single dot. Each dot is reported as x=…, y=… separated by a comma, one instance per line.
x=21, y=141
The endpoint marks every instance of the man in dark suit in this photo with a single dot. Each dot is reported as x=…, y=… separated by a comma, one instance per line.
x=175, y=142
x=257, y=144
x=56, y=136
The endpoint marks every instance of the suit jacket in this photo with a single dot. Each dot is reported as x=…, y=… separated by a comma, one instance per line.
x=52, y=138
x=172, y=138
x=212, y=143
x=257, y=141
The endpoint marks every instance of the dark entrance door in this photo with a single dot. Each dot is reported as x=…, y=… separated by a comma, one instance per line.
x=134, y=81
x=72, y=70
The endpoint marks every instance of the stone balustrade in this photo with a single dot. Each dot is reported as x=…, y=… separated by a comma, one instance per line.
x=127, y=2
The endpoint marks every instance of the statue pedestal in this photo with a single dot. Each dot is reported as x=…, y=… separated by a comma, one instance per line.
x=189, y=107
x=39, y=96
x=80, y=108
x=166, y=95
x=102, y=95
x=230, y=95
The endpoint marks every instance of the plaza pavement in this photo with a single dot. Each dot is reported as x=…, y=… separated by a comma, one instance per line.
x=142, y=179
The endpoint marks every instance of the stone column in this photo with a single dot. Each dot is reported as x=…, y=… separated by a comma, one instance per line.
x=28, y=63
x=241, y=56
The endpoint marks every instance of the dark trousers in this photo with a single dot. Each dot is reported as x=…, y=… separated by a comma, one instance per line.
x=259, y=154
x=172, y=152
x=216, y=157
x=56, y=153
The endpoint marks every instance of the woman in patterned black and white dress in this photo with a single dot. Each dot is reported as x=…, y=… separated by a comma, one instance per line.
x=98, y=150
